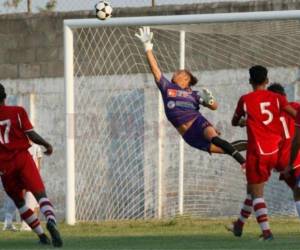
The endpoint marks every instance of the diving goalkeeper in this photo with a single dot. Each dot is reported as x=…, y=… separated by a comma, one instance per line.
x=182, y=105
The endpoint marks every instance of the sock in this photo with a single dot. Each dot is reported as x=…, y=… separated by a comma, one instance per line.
x=46, y=209
x=8, y=219
x=261, y=213
x=297, y=203
x=31, y=219
x=245, y=211
x=228, y=149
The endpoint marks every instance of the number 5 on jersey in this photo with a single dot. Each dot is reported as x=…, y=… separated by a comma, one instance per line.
x=265, y=111
x=4, y=126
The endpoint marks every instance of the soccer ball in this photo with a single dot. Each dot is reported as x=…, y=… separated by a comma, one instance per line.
x=103, y=10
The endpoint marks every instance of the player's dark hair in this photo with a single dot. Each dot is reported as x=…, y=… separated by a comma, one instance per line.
x=193, y=78
x=258, y=74
x=2, y=93
x=277, y=88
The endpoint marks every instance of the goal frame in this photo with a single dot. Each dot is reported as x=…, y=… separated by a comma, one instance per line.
x=69, y=24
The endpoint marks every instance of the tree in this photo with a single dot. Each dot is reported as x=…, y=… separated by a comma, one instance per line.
x=50, y=5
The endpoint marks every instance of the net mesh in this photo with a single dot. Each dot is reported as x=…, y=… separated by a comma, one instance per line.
x=121, y=140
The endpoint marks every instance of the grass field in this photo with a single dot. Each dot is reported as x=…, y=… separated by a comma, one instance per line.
x=183, y=233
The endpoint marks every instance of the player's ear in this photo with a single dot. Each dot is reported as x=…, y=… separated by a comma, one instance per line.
x=267, y=80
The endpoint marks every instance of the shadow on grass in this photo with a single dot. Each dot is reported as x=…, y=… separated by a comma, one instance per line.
x=215, y=242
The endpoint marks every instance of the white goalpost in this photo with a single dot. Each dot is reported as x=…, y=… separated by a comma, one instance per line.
x=123, y=159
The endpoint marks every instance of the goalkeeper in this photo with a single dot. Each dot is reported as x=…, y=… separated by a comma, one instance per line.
x=182, y=105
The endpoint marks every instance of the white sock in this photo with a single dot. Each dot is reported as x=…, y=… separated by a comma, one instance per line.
x=297, y=204
x=8, y=219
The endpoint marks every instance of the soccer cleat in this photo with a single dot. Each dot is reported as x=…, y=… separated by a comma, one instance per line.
x=56, y=239
x=268, y=237
x=9, y=227
x=44, y=240
x=235, y=229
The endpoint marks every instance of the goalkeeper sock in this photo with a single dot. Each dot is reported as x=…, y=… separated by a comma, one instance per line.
x=228, y=149
x=47, y=209
x=31, y=219
x=245, y=211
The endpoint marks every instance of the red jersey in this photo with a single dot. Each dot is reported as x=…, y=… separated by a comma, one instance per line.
x=288, y=126
x=262, y=109
x=14, y=122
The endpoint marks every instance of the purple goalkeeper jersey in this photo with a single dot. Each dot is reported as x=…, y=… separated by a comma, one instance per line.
x=181, y=105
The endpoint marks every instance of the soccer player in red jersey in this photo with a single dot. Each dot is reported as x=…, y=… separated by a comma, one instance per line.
x=261, y=110
x=18, y=171
x=182, y=106
x=288, y=129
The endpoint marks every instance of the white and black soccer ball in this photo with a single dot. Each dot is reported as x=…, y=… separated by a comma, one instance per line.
x=103, y=10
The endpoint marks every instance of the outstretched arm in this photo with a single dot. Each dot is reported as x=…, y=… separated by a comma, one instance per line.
x=37, y=139
x=146, y=37
x=153, y=65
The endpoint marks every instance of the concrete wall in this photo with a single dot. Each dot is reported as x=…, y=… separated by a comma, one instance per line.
x=31, y=46
x=31, y=61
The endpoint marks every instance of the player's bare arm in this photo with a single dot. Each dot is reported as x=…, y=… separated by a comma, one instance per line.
x=36, y=138
x=146, y=38
x=153, y=65
x=237, y=121
x=294, y=151
x=290, y=110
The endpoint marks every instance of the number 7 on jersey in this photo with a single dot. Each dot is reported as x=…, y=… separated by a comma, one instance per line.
x=4, y=138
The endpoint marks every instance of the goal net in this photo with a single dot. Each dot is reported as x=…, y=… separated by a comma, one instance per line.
x=128, y=162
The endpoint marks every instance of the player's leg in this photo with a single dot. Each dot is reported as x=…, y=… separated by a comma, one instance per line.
x=32, y=204
x=296, y=192
x=237, y=226
x=296, y=189
x=258, y=171
x=260, y=209
x=240, y=145
x=13, y=187
x=10, y=212
x=211, y=135
x=33, y=183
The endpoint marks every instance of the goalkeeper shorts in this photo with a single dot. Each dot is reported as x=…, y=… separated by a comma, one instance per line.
x=194, y=136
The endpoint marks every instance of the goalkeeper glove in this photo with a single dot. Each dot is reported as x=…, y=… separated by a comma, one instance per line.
x=145, y=36
x=207, y=97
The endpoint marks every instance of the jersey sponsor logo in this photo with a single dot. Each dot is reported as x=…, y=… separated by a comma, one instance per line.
x=171, y=104
x=185, y=104
x=172, y=92
x=177, y=93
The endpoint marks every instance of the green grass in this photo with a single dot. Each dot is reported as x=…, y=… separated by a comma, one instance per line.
x=182, y=233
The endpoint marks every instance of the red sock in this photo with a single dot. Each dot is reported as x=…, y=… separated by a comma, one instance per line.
x=47, y=209
x=245, y=211
x=31, y=219
x=261, y=213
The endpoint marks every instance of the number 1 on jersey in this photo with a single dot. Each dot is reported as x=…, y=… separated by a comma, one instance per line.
x=4, y=138
x=285, y=128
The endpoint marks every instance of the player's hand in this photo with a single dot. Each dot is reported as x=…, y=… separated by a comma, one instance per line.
x=207, y=97
x=145, y=35
x=242, y=122
x=49, y=149
x=288, y=171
